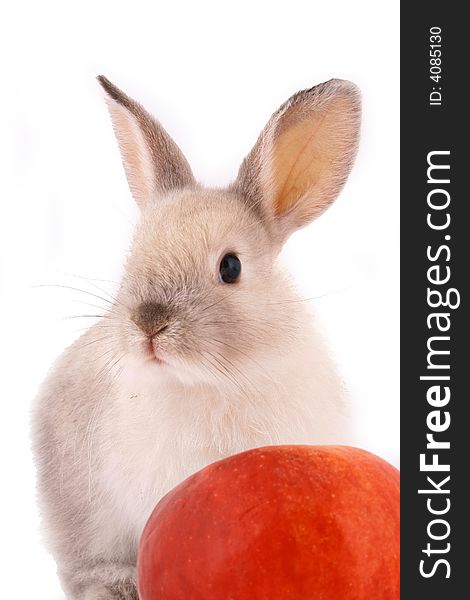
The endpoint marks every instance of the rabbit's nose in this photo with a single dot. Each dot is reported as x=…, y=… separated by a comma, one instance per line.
x=151, y=317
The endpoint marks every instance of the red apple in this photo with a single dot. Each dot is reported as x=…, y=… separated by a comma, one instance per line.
x=277, y=523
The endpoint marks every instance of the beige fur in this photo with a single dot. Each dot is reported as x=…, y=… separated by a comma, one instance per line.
x=186, y=370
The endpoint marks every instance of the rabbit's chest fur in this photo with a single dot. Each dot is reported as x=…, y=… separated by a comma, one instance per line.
x=152, y=434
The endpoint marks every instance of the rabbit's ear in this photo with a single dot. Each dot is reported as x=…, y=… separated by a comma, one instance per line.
x=303, y=156
x=153, y=162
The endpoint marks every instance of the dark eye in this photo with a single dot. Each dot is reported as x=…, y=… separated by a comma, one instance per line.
x=230, y=268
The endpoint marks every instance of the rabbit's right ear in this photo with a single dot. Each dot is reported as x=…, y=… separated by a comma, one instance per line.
x=303, y=157
x=152, y=161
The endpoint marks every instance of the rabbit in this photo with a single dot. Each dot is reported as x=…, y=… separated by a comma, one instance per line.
x=206, y=351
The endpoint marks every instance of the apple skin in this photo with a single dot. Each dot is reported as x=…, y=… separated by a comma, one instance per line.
x=277, y=523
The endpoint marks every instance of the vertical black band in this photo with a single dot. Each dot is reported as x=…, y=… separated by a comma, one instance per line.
x=435, y=269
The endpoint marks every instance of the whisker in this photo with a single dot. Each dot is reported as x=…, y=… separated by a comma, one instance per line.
x=69, y=287
x=113, y=298
x=222, y=368
x=239, y=351
x=87, y=317
x=218, y=301
x=242, y=374
x=94, y=341
x=88, y=278
x=311, y=298
x=75, y=301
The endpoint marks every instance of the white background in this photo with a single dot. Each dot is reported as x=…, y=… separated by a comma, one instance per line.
x=212, y=72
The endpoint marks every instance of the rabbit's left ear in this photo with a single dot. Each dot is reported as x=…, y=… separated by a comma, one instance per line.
x=303, y=156
x=152, y=161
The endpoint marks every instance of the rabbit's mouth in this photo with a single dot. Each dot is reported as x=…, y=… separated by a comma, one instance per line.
x=154, y=351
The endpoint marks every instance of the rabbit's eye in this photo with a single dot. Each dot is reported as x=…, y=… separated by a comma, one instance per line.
x=230, y=268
